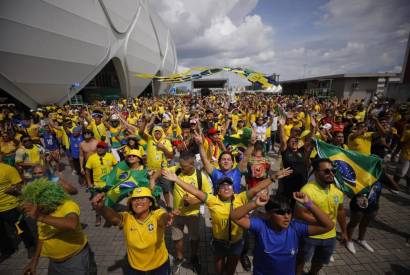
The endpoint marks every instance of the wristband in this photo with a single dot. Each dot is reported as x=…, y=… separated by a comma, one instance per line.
x=309, y=204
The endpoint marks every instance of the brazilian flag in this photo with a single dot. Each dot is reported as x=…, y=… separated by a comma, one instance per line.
x=121, y=181
x=356, y=173
x=240, y=141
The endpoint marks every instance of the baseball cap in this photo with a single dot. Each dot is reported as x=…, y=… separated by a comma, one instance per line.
x=212, y=131
x=102, y=144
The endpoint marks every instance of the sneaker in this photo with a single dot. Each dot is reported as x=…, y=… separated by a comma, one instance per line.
x=365, y=245
x=350, y=247
x=176, y=265
x=246, y=263
x=74, y=173
x=196, y=266
x=332, y=259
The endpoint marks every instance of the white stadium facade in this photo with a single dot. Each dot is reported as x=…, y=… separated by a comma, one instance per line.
x=51, y=49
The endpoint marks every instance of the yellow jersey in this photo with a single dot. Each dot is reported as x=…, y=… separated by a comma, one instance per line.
x=362, y=143
x=220, y=211
x=61, y=244
x=146, y=248
x=7, y=147
x=328, y=200
x=8, y=176
x=100, y=166
x=98, y=130
x=156, y=158
x=33, y=155
x=33, y=131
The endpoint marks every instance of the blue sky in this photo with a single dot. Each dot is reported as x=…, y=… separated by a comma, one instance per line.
x=292, y=38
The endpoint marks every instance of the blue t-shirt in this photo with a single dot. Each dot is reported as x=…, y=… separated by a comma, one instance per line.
x=275, y=252
x=235, y=175
x=75, y=146
x=50, y=141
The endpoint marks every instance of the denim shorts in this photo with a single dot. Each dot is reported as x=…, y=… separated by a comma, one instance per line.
x=223, y=248
x=318, y=250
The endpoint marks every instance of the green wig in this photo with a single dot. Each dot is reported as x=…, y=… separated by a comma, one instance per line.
x=46, y=194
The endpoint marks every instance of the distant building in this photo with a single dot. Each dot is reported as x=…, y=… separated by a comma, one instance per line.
x=400, y=90
x=51, y=50
x=342, y=85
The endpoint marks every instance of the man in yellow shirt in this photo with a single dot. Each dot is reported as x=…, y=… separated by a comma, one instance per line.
x=189, y=210
x=159, y=148
x=319, y=248
x=97, y=126
x=28, y=155
x=10, y=183
x=360, y=139
x=98, y=165
x=60, y=235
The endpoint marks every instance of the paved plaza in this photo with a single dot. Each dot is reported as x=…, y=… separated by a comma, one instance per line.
x=388, y=235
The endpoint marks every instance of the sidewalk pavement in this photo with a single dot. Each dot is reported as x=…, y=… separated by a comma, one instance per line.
x=388, y=235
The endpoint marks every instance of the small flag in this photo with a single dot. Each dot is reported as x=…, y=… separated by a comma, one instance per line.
x=241, y=141
x=121, y=181
x=356, y=173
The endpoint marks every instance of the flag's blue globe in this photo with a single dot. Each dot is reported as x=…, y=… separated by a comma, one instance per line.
x=123, y=175
x=346, y=172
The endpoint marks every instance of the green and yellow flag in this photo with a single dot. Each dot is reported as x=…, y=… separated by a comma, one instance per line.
x=121, y=181
x=356, y=173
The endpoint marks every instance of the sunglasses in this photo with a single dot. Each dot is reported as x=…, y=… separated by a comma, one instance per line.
x=282, y=212
x=329, y=171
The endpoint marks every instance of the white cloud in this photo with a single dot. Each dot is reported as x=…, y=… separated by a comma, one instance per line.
x=217, y=33
x=348, y=36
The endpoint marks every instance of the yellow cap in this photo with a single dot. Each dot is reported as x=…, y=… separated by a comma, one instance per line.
x=140, y=192
x=134, y=152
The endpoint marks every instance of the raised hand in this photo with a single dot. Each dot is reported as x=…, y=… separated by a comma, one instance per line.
x=172, y=215
x=301, y=198
x=31, y=210
x=171, y=176
x=262, y=198
x=283, y=173
x=98, y=201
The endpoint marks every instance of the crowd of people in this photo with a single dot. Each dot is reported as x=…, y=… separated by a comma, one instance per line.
x=187, y=152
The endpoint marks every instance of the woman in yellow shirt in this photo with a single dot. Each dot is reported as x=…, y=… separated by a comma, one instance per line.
x=144, y=230
x=227, y=239
x=60, y=235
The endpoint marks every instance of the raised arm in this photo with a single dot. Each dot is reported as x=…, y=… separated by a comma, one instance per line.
x=266, y=182
x=282, y=136
x=240, y=215
x=323, y=222
x=108, y=213
x=247, y=154
x=68, y=222
x=187, y=187
x=209, y=168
